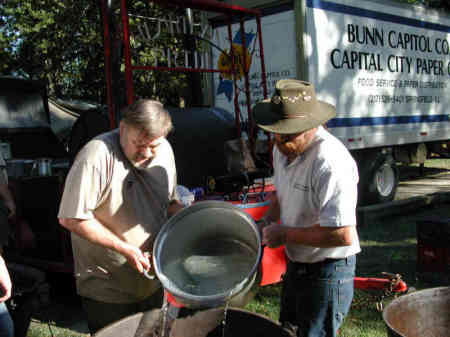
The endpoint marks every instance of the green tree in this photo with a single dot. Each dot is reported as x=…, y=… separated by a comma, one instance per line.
x=54, y=41
x=61, y=43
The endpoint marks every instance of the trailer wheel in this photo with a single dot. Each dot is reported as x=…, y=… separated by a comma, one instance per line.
x=378, y=178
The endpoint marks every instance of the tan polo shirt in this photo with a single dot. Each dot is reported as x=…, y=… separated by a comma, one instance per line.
x=132, y=202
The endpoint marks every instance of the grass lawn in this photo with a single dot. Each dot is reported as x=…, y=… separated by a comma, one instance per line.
x=388, y=245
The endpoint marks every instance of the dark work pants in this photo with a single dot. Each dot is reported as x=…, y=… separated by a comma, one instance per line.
x=316, y=297
x=101, y=314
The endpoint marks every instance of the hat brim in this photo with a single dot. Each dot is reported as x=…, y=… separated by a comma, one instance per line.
x=271, y=121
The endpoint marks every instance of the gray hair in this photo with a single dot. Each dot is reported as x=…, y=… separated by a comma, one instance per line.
x=149, y=116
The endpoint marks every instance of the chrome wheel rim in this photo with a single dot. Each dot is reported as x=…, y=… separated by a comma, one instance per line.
x=385, y=180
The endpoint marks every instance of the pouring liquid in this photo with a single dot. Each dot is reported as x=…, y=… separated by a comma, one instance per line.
x=211, y=267
x=225, y=311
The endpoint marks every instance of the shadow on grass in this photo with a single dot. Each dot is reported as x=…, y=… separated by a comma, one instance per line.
x=390, y=245
x=64, y=314
x=416, y=172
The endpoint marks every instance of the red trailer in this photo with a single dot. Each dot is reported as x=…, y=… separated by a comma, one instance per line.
x=238, y=61
x=251, y=196
x=249, y=190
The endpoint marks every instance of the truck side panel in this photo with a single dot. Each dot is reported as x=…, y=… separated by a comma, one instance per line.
x=385, y=66
x=280, y=51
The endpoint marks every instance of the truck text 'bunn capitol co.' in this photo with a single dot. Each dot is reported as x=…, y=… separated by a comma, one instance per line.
x=385, y=65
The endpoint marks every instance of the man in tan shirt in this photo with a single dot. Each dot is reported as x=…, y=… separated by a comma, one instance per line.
x=119, y=192
x=7, y=204
x=7, y=212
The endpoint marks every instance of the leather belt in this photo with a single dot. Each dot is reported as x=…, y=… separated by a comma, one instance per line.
x=319, y=264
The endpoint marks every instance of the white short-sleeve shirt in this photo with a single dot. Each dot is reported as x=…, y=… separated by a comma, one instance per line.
x=318, y=187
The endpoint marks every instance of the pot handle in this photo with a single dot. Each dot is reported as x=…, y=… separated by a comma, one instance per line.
x=34, y=168
x=147, y=275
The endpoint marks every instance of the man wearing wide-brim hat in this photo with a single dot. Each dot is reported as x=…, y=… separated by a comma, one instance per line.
x=313, y=212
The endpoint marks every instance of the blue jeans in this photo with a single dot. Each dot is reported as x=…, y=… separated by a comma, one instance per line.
x=6, y=323
x=316, y=297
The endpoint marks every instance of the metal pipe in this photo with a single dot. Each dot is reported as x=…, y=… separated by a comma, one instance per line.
x=210, y=5
x=237, y=110
x=126, y=43
x=107, y=51
x=183, y=69
x=263, y=74
x=247, y=87
x=261, y=51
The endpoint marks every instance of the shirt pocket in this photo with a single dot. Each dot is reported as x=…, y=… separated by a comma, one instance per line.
x=301, y=187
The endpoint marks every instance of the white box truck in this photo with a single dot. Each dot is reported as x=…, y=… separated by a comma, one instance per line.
x=384, y=65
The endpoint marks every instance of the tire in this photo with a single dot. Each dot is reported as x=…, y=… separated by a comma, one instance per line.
x=378, y=178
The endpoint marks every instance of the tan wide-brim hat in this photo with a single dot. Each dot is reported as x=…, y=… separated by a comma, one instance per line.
x=292, y=109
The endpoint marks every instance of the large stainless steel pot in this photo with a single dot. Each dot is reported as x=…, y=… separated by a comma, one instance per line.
x=207, y=254
x=42, y=167
x=208, y=323
x=424, y=313
x=17, y=168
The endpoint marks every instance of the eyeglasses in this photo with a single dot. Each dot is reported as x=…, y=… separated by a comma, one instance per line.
x=284, y=138
x=140, y=140
x=145, y=144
